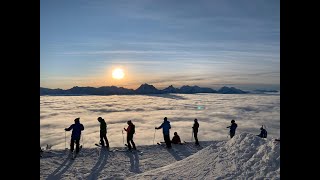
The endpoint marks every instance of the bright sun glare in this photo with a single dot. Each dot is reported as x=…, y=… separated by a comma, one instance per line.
x=117, y=73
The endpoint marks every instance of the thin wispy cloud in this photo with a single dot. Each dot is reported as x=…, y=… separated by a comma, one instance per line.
x=81, y=41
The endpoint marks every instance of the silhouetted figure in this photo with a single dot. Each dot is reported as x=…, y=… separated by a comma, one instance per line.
x=130, y=131
x=195, y=128
x=176, y=139
x=103, y=133
x=233, y=128
x=263, y=133
x=166, y=131
x=41, y=151
x=48, y=147
x=75, y=135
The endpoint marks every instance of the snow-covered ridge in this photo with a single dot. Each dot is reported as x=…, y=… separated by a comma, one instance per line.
x=245, y=156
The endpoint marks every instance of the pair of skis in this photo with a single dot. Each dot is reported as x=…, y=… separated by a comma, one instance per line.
x=120, y=150
x=184, y=142
x=134, y=150
x=113, y=150
x=105, y=147
x=74, y=154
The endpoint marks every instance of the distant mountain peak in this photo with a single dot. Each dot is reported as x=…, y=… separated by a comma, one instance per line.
x=147, y=89
x=231, y=90
x=170, y=89
x=142, y=89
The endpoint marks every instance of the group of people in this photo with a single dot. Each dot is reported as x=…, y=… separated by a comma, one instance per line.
x=233, y=127
x=176, y=138
x=77, y=127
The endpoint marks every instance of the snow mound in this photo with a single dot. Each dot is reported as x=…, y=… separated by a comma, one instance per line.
x=245, y=156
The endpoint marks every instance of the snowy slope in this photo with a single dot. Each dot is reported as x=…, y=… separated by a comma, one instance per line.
x=243, y=157
x=246, y=156
x=95, y=163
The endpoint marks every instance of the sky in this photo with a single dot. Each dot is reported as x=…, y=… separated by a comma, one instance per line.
x=208, y=43
x=213, y=111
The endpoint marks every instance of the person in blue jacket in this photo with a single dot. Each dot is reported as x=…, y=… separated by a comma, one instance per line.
x=233, y=128
x=166, y=131
x=76, y=134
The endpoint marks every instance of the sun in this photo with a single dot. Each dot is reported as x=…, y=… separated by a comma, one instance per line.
x=117, y=73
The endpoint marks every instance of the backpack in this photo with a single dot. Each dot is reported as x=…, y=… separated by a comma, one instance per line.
x=264, y=135
x=133, y=129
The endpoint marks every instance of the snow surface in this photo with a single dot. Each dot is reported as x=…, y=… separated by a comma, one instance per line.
x=245, y=156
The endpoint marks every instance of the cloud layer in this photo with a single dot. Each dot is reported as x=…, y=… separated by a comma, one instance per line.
x=213, y=111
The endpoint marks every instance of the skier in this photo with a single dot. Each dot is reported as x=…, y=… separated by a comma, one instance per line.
x=233, y=128
x=166, y=131
x=195, y=128
x=263, y=133
x=176, y=139
x=130, y=131
x=75, y=135
x=103, y=133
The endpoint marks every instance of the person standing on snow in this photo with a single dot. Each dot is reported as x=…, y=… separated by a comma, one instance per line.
x=103, y=133
x=130, y=131
x=195, y=128
x=75, y=135
x=233, y=128
x=166, y=131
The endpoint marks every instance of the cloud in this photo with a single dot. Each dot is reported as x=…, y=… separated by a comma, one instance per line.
x=147, y=112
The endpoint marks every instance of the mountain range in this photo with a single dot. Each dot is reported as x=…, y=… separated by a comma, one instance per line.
x=143, y=89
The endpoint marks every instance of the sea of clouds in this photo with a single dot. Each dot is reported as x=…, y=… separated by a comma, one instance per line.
x=213, y=111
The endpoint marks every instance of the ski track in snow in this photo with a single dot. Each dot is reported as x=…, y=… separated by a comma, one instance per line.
x=246, y=156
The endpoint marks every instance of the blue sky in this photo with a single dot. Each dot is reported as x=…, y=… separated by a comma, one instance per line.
x=161, y=42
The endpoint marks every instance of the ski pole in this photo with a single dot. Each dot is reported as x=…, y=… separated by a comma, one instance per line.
x=82, y=140
x=122, y=138
x=191, y=136
x=65, y=139
x=154, y=135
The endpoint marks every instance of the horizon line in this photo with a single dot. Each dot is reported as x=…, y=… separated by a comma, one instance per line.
x=222, y=85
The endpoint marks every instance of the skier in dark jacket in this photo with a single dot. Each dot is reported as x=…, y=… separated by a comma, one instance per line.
x=176, y=139
x=103, y=133
x=195, y=128
x=166, y=131
x=75, y=135
x=263, y=133
x=233, y=128
x=130, y=131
